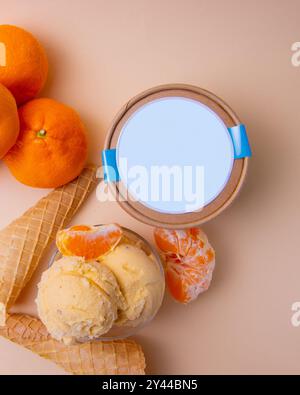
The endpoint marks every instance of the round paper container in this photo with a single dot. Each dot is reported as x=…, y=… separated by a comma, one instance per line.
x=143, y=212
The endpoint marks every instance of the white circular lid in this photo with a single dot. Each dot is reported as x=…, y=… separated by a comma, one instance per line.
x=174, y=155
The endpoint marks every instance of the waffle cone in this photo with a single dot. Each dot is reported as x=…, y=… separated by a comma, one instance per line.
x=23, y=242
x=96, y=358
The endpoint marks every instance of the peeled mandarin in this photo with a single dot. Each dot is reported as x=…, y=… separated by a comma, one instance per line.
x=189, y=261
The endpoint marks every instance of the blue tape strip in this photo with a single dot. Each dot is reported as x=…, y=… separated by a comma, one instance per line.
x=240, y=141
x=109, y=162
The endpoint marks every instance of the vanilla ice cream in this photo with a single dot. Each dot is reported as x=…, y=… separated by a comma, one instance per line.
x=141, y=282
x=78, y=300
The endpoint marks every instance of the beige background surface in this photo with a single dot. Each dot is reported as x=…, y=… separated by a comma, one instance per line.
x=104, y=52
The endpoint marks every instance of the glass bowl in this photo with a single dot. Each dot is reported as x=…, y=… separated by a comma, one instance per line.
x=121, y=332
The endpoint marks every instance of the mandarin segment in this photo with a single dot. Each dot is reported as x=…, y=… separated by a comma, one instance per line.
x=189, y=261
x=166, y=240
x=81, y=227
x=89, y=242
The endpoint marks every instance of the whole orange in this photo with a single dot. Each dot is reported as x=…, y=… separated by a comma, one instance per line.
x=23, y=63
x=9, y=121
x=52, y=146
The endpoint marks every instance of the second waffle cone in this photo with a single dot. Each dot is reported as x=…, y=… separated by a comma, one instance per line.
x=96, y=358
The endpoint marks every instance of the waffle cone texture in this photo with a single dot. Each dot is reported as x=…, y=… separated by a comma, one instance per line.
x=94, y=358
x=24, y=241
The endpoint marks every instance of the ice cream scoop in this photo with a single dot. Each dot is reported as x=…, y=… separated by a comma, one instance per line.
x=141, y=282
x=78, y=300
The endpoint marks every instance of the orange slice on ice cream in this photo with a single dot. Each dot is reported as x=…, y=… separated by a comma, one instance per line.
x=89, y=242
x=189, y=261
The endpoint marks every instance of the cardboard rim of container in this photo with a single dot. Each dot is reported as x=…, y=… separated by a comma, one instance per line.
x=226, y=196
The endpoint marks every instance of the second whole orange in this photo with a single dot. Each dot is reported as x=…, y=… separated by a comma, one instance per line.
x=52, y=146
